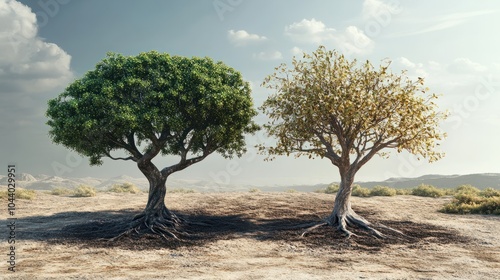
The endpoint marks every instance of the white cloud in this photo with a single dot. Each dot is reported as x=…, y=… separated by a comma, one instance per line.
x=354, y=41
x=242, y=38
x=309, y=31
x=442, y=22
x=350, y=41
x=29, y=67
x=296, y=51
x=466, y=66
x=377, y=8
x=406, y=62
x=273, y=55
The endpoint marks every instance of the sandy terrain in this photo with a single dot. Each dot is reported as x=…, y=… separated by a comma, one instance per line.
x=251, y=237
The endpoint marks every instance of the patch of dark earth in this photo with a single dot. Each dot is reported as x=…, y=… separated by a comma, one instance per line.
x=202, y=228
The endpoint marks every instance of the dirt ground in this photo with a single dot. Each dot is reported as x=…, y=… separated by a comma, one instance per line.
x=249, y=236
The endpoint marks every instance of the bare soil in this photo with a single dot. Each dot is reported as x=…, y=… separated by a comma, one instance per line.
x=249, y=236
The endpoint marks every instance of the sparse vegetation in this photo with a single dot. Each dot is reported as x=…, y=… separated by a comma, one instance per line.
x=382, y=191
x=61, y=191
x=357, y=190
x=404, y=191
x=291, y=191
x=124, y=188
x=181, y=191
x=428, y=191
x=467, y=189
x=470, y=200
x=84, y=191
x=254, y=190
x=20, y=194
x=490, y=192
x=332, y=188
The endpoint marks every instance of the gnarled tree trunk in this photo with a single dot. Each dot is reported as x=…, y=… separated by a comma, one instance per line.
x=342, y=214
x=156, y=217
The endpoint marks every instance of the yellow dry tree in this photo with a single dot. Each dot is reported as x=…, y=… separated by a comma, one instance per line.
x=329, y=107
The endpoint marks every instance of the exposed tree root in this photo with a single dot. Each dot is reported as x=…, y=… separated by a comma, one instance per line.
x=309, y=229
x=351, y=219
x=165, y=224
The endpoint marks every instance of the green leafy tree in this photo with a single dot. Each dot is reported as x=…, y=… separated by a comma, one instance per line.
x=329, y=107
x=154, y=104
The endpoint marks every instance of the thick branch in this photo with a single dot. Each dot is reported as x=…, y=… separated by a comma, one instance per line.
x=377, y=147
x=330, y=153
x=131, y=148
x=182, y=165
x=108, y=154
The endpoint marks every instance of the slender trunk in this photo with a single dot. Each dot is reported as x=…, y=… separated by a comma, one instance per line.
x=342, y=215
x=342, y=205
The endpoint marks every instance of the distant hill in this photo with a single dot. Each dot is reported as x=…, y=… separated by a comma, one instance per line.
x=481, y=181
x=44, y=182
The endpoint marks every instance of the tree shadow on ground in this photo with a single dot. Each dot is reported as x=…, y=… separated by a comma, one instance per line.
x=94, y=229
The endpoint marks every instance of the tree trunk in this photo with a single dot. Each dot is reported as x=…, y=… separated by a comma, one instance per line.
x=156, y=217
x=342, y=214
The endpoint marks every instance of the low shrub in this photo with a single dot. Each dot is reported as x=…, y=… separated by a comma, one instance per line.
x=181, y=191
x=357, y=190
x=20, y=194
x=254, y=190
x=332, y=188
x=25, y=194
x=382, y=191
x=490, y=205
x=291, y=191
x=469, y=200
x=490, y=192
x=467, y=189
x=449, y=191
x=427, y=191
x=124, y=188
x=60, y=191
x=404, y=191
x=84, y=191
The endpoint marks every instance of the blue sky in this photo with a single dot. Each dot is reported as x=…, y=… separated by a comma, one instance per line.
x=454, y=45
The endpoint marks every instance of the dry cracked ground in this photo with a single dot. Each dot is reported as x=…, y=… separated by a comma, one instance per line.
x=249, y=236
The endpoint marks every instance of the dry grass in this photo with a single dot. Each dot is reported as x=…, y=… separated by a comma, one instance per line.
x=84, y=191
x=251, y=236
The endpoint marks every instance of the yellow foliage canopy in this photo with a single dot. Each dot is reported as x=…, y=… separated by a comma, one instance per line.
x=327, y=106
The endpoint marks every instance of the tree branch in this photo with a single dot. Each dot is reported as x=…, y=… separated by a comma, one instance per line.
x=330, y=153
x=108, y=154
x=131, y=148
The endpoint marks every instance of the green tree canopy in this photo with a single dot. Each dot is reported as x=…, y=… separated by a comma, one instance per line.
x=151, y=104
x=173, y=104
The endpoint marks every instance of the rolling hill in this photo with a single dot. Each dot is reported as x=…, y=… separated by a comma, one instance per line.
x=44, y=182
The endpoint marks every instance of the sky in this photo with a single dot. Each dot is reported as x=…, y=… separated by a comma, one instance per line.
x=47, y=44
